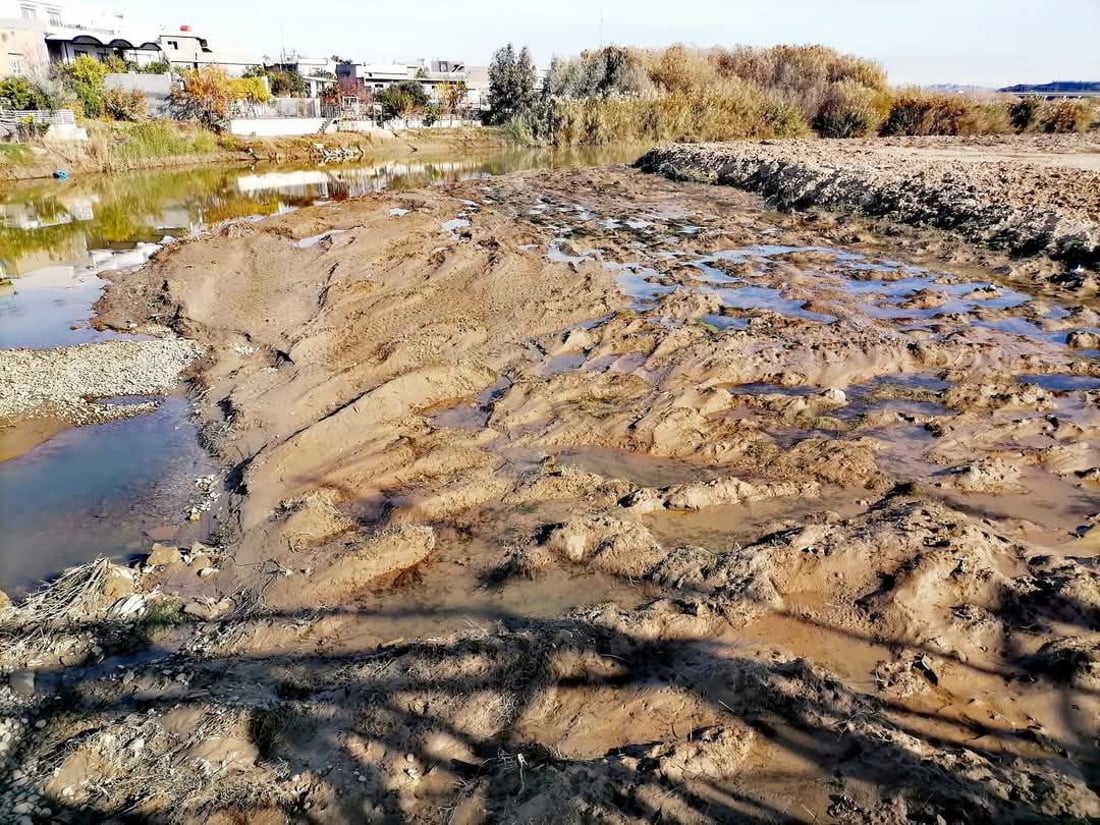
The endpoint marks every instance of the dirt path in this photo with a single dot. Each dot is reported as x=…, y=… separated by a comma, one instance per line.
x=591, y=495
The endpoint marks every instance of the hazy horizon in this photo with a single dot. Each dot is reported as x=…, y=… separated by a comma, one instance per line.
x=983, y=42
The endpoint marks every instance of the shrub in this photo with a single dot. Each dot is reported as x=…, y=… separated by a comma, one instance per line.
x=915, y=112
x=205, y=97
x=1065, y=116
x=1024, y=113
x=850, y=109
x=20, y=93
x=402, y=98
x=161, y=66
x=124, y=104
x=84, y=78
x=251, y=89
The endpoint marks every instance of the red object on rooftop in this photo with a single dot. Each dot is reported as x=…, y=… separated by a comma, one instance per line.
x=185, y=28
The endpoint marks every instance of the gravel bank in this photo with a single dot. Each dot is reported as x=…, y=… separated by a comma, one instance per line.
x=1007, y=195
x=58, y=383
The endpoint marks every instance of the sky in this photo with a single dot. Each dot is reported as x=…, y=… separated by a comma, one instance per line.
x=980, y=42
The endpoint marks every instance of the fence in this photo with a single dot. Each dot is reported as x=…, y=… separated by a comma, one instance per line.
x=58, y=117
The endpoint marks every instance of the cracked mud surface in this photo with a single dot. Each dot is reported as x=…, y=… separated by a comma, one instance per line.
x=590, y=496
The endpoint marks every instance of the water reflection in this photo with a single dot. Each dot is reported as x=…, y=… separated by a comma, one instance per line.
x=62, y=222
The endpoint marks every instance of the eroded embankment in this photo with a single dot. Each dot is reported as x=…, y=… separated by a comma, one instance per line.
x=993, y=194
x=590, y=495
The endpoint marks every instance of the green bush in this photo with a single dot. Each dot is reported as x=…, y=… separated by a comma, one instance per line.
x=161, y=66
x=20, y=93
x=84, y=78
x=1024, y=113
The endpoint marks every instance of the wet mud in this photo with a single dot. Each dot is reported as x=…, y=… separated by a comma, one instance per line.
x=588, y=495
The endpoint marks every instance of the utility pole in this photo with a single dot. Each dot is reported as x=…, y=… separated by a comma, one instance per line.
x=601, y=27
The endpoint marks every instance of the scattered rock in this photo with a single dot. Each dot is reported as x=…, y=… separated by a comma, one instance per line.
x=162, y=555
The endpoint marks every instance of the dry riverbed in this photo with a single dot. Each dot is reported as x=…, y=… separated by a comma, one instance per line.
x=590, y=495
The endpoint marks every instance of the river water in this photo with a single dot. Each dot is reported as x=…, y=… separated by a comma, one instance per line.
x=110, y=489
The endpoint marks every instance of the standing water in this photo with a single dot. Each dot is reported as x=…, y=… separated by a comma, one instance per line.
x=109, y=489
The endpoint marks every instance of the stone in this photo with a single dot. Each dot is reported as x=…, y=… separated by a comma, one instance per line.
x=5, y=601
x=1083, y=339
x=162, y=554
x=837, y=396
x=119, y=582
x=208, y=610
x=22, y=682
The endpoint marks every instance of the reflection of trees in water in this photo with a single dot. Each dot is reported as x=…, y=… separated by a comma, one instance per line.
x=144, y=206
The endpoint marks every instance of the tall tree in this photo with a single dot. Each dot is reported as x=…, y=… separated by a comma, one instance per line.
x=512, y=80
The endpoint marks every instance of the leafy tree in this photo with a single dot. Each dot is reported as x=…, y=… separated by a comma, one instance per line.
x=286, y=83
x=205, y=96
x=452, y=95
x=20, y=93
x=116, y=65
x=84, y=78
x=512, y=80
x=401, y=99
x=250, y=89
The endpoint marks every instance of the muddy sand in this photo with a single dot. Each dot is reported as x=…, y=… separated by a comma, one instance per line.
x=1026, y=194
x=589, y=495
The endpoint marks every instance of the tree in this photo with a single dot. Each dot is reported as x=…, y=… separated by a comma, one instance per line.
x=205, y=96
x=20, y=93
x=285, y=83
x=401, y=99
x=249, y=89
x=84, y=78
x=512, y=80
x=161, y=66
x=452, y=95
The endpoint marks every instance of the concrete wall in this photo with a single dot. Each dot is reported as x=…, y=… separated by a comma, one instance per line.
x=275, y=126
x=284, y=126
x=155, y=87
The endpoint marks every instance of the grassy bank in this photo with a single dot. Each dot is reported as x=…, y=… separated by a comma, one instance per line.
x=114, y=147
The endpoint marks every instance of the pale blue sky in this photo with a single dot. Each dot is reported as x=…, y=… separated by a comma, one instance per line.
x=986, y=42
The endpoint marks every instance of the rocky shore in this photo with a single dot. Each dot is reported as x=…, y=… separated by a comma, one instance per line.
x=67, y=383
x=1025, y=195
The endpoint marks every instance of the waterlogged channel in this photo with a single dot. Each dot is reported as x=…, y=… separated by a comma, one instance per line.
x=109, y=489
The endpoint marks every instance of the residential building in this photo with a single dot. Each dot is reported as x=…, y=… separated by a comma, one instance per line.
x=22, y=48
x=186, y=50
x=318, y=72
x=378, y=76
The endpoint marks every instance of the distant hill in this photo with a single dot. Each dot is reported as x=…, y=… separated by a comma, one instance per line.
x=1060, y=87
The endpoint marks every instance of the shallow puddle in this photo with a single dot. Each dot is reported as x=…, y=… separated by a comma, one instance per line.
x=97, y=491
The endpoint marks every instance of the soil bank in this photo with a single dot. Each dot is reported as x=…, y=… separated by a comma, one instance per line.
x=586, y=494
